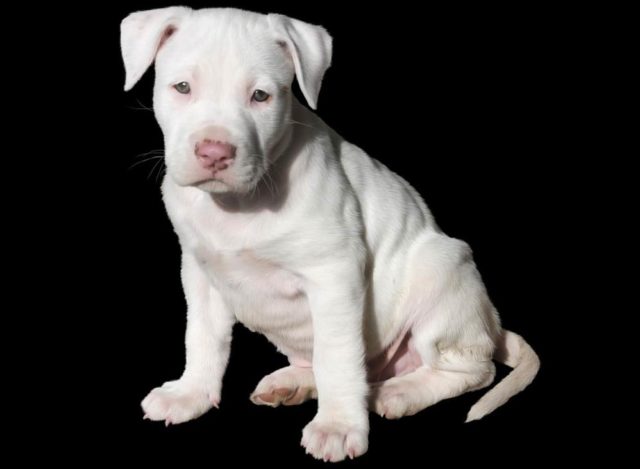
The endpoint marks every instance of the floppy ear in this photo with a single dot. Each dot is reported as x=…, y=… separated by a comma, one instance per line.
x=142, y=34
x=310, y=49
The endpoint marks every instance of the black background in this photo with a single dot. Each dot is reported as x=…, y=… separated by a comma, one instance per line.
x=471, y=106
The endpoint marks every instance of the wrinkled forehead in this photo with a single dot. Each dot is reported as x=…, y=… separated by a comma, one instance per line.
x=222, y=45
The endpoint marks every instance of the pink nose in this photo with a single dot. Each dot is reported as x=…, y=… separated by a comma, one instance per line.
x=214, y=154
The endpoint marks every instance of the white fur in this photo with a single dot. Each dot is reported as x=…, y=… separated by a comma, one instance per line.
x=306, y=240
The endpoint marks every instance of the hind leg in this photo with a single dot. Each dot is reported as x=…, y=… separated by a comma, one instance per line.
x=409, y=394
x=453, y=332
x=290, y=385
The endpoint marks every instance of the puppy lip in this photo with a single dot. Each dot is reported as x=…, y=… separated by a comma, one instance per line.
x=198, y=182
x=201, y=182
x=204, y=180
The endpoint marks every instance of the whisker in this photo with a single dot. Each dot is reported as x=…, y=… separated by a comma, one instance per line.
x=253, y=191
x=291, y=121
x=271, y=184
x=141, y=107
x=161, y=173
x=150, y=152
x=153, y=169
x=150, y=158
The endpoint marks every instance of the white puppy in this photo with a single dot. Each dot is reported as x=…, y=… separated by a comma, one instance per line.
x=298, y=234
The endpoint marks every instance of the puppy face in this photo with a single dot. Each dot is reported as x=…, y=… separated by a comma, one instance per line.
x=222, y=98
x=222, y=93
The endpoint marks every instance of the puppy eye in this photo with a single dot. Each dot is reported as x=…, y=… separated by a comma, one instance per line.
x=182, y=87
x=260, y=96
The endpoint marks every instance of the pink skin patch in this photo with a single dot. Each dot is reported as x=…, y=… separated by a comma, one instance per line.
x=399, y=359
x=166, y=35
x=285, y=396
x=277, y=396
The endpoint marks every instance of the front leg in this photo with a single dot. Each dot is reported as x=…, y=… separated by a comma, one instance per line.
x=208, y=341
x=336, y=298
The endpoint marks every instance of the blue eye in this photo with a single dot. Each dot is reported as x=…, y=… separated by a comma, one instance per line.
x=182, y=87
x=260, y=96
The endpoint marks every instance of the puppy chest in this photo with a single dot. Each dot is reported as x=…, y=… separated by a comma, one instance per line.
x=243, y=272
x=263, y=295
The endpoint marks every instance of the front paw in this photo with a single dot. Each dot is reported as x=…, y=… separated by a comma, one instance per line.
x=334, y=440
x=177, y=402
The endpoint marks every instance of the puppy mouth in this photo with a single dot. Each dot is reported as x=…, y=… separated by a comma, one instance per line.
x=203, y=181
x=239, y=177
x=219, y=177
x=212, y=185
x=218, y=184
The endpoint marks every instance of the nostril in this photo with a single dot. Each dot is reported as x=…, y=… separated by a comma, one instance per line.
x=213, y=153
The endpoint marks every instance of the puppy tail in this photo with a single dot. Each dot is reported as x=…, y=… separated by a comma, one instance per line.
x=513, y=351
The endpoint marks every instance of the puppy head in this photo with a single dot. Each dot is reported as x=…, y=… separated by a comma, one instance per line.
x=222, y=93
